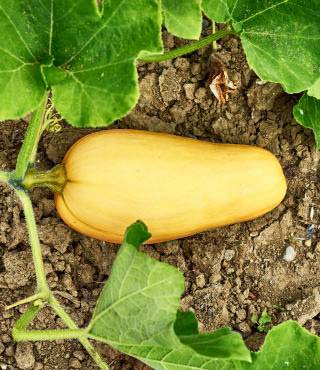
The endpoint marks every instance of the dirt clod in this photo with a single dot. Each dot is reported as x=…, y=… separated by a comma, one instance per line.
x=24, y=356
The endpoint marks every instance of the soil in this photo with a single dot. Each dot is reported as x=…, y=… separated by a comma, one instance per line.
x=231, y=273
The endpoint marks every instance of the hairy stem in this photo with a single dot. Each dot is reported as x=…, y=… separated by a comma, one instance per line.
x=41, y=335
x=28, y=152
x=20, y=332
x=25, y=319
x=187, y=49
x=42, y=285
x=32, y=298
x=72, y=325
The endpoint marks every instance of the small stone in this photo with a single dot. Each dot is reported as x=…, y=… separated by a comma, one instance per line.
x=5, y=338
x=79, y=355
x=244, y=327
x=289, y=254
x=317, y=248
x=24, y=356
x=86, y=273
x=182, y=63
x=189, y=90
x=229, y=254
x=195, y=69
x=308, y=243
x=200, y=281
x=310, y=255
x=9, y=351
x=75, y=363
x=200, y=94
x=241, y=314
x=2, y=348
x=38, y=366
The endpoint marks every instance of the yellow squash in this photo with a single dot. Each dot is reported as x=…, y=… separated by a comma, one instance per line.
x=177, y=186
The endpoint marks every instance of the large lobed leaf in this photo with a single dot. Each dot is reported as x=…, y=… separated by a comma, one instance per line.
x=137, y=313
x=307, y=113
x=281, y=38
x=85, y=56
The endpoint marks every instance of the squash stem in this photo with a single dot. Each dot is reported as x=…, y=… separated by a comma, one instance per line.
x=54, y=179
x=187, y=49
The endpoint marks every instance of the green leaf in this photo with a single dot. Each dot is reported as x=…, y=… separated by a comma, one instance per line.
x=24, y=40
x=137, y=314
x=307, y=113
x=137, y=234
x=183, y=18
x=223, y=343
x=139, y=301
x=186, y=323
x=93, y=77
x=218, y=10
x=287, y=346
x=265, y=318
x=314, y=90
x=280, y=38
x=183, y=358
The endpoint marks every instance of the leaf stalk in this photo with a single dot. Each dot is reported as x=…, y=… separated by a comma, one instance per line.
x=187, y=49
x=28, y=152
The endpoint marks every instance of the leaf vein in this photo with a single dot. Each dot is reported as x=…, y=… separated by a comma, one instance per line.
x=264, y=10
x=113, y=13
x=18, y=33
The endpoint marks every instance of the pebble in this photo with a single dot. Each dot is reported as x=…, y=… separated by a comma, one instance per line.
x=310, y=255
x=190, y=90
x=241, y=314
x=24, y=356
x=200, y=281
x=244, y=327
x=308, y=243
x=289, y=254
x=38, y=366
x=75, y=363
x=229, y=254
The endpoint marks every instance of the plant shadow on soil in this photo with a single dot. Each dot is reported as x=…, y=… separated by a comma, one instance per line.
x=231, y=273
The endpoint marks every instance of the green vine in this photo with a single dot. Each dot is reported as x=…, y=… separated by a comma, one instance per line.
x=24, y=177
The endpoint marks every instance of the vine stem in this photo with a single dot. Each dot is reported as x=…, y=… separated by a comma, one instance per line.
x=28, y=152
x=82, y=339
x=26, y=159
x=42, y=285
x=187, y=49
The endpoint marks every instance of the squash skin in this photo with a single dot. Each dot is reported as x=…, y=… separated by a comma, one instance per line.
x=178, y=186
